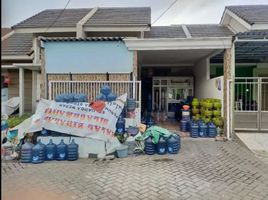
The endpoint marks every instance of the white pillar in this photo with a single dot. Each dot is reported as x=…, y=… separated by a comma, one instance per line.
x=21, y=90
x=34, y=89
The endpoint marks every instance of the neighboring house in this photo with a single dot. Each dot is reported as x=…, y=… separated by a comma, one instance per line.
x=119, y=44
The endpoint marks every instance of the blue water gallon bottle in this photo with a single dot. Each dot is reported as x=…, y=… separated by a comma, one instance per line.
x=202, y=130
x=184, y=125
x=72, y=151
x=51, y=150
x=61, y=151
x=162, y=146
x=38, y=153
x=120, y=125
x=26, y=152
x=173, y=144
x=149, y=146
x=212, y=130
x=194, y=130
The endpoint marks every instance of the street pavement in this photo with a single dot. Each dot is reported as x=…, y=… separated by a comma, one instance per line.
x=203, y=169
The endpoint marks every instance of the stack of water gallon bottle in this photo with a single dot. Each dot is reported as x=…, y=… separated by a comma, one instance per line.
x=201, y=129
x=197, y=128
x=171, y=145
x=186, y=119
x=40, y=152
x=106, y=94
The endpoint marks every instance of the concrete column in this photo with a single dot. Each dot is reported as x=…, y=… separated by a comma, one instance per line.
x=43, y=83
x=228, y=65
x=21, y=90
x=36, y=49
x=135, y=65
x=80, y=33
x=34, y=89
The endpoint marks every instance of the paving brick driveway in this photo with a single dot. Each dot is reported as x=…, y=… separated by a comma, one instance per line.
x=204, y=169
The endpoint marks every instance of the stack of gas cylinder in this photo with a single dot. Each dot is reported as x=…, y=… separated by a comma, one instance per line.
x=201, y=129
x=171, y=145
x=40, y=152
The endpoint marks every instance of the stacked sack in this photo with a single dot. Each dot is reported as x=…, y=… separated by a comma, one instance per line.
x=106, y=94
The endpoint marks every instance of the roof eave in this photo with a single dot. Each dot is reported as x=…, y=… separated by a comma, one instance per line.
x=178, y=43
x=16, y=57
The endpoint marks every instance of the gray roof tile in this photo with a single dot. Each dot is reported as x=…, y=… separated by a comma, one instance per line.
x=165, y=32
x=17, y=44
x=253, y=14
x=209, y=30
x=197, y=30
x=70, y=17
x=66, y=18
x=129, y=15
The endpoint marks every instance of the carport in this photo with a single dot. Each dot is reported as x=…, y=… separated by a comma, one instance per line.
x=183, y=51
x=251, y=82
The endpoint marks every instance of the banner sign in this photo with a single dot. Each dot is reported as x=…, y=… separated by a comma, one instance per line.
x=80, y=119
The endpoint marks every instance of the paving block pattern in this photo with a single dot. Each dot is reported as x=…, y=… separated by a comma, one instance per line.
x=204, y=169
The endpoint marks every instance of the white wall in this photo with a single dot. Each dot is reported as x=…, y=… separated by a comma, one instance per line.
x=205, y=87
x=87, y=57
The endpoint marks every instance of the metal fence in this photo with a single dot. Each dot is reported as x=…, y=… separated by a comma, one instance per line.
x=251, y=103
x=92, y=88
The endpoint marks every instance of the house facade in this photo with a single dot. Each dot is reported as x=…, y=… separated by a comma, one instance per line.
x=59, y=51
